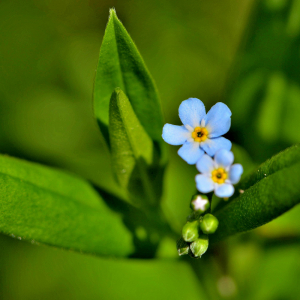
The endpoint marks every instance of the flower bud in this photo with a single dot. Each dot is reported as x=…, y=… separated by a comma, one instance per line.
x=190, y=231
x=200, y=203
x=209, y=224
x=199, y=246
x=182, y=247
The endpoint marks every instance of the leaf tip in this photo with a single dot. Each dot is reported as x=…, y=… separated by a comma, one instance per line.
x=117, y=91
x=112, y=12
x=115, y=97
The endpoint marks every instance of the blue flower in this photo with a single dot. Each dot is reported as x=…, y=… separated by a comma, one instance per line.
x=218, y=175
x=200, y=132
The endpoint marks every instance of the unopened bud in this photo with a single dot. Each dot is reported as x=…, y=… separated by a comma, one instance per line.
x=182, y=247
x=190, y=231
x=209, y=224
x=199, y=246
x=200, y=203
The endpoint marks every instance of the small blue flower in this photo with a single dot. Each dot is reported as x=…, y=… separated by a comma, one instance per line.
x=200, y=132
x=218, y=175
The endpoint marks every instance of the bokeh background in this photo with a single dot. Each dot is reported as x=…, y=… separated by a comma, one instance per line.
x=243, y=53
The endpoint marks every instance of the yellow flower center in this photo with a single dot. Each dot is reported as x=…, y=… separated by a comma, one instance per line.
x=200, y=134
x=219, y=175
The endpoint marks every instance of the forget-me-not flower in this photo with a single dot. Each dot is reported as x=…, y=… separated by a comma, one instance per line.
x=218, y=175
x=200, y=132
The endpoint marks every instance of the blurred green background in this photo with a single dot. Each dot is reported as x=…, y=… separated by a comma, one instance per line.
x=244, y=53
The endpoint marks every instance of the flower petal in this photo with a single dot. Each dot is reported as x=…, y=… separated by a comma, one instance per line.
x=191, y=112
x=224, y=158
x=224, y=190
x=218, y=120
x=204, y=184
x=235, y=173
x=190, y=152
x=175, y=135
x=211, y=146
x=205, y=164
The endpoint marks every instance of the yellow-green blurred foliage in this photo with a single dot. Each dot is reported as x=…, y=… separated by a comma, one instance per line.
x=244, y=53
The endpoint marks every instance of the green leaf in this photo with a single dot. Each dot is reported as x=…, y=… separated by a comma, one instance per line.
x=89, y=277
x=284, y=159
x=40, y=204
x=264, y=195
x=121, y=65
x=132, y=152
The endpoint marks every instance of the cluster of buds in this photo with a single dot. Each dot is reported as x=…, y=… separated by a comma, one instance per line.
x=194, y=239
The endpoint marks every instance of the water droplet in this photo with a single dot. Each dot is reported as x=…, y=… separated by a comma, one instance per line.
x=241, y=191
x=19, y=238
x=265, y=175
x=12, y=235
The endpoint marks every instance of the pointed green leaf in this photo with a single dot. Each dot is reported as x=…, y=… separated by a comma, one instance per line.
x=132, y=151
x=264, y=195
x=44, y=205
x=121, y=65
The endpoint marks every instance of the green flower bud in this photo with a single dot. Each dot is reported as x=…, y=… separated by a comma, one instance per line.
x=182, y=247
x=209, y=224
x=199, y=246
x=200, y=203
x=190, y=231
